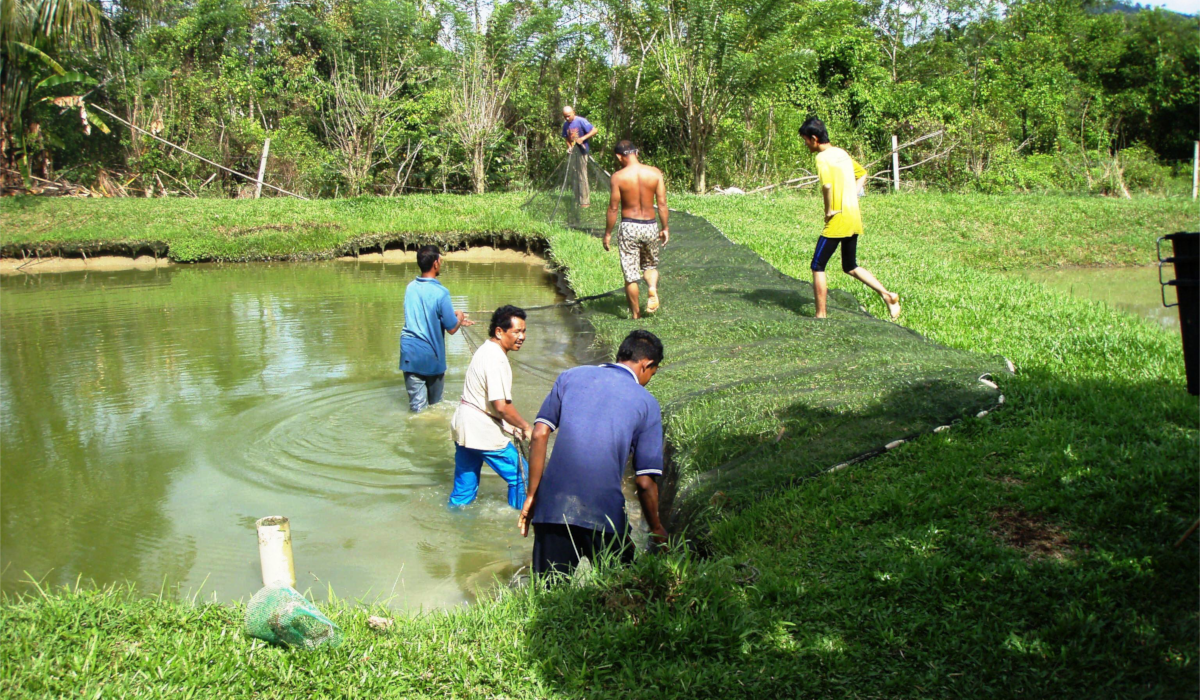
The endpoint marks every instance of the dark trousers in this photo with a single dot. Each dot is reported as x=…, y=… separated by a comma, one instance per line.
x=558, y=548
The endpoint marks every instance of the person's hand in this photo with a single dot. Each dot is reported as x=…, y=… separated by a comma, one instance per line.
x=664, y=235
x=658, y=535
x=607, y=241
x=525, y=516
x=462, y=319
x=830, y=214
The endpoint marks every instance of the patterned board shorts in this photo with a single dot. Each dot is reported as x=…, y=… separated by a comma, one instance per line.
x=638, y=243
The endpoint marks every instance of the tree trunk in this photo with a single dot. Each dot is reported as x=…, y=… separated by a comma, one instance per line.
x=478, y=178
x=698, y=154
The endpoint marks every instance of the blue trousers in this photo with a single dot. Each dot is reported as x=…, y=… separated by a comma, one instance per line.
x=506, y=462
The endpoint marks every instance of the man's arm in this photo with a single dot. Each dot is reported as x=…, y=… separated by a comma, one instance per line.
x=660, y=198
x=860, y=176
x=647, y=490
x=537, y=467
x=614, y=210
x=588, y=135
x=508, y=412
x=827, y=193
x=452, y=320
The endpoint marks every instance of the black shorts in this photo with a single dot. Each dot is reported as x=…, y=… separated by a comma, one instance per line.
x=558, y=548
x=825, y=248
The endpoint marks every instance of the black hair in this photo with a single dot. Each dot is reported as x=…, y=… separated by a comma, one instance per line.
x=502, y=318
x=814, y=127
x=624, y=147
x=427, y=255
x=640, y=345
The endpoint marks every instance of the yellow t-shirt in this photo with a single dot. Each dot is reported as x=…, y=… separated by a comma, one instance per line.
x=838, y=171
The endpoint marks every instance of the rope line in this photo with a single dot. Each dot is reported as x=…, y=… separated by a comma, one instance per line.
x=561, y=305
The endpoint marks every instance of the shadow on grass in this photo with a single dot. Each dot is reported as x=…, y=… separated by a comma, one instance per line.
x=890, y=579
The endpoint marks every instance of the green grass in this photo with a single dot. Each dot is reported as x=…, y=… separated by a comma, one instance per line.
x=269, y=229
x=894, y=578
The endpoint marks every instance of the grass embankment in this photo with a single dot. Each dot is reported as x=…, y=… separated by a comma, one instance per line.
x=195, y=230
x=1025, y=554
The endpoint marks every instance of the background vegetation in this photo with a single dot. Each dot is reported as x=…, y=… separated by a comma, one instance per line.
x=388, y=96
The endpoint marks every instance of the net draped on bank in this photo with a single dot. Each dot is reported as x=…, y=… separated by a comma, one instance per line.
x=756, y=392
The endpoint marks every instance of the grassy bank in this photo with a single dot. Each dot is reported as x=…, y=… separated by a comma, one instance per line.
x=1024, y=554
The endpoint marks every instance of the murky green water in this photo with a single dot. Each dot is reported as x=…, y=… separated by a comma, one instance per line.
x=1132, y=289
x=148, y=418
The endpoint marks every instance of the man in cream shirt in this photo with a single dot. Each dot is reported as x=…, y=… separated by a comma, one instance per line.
x=486, y=416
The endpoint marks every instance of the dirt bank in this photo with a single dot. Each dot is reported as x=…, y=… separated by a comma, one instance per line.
x=477, y=254
x=481, y=254
x=15, y=266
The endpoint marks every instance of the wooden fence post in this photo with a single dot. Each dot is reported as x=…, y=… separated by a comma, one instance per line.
x=1195, y=170
x=262, y=168
x=896, y=162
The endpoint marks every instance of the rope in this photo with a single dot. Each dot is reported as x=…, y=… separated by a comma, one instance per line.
x=562, y=304
x=195, y=155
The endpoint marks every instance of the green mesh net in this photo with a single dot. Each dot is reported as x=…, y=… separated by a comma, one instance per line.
x=280, y=615
x=575, y=195
x=757, y=393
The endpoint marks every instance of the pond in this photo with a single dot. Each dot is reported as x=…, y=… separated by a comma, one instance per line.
x=1132, y=289
x=148, y=418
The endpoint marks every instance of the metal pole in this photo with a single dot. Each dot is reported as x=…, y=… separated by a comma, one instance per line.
x=896, y=162
x=1195, y=170
x=262, y=168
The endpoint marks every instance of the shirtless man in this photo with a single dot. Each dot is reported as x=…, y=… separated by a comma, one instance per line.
x=635, y=190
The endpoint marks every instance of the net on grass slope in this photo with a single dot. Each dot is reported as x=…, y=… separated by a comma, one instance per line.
x=280, y=615
x=755, y=391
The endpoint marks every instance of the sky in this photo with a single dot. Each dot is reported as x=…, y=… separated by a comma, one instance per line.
x=1187, y=7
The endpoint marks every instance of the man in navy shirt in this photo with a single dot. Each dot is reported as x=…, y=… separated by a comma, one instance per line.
x=578, y=132
x=427, y=314
x=601, y=414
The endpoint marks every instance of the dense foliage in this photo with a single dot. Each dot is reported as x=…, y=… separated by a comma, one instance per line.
x=386, y=96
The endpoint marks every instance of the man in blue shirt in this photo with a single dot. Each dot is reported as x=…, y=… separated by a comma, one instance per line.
x=427, y=315
x=601, y=414
x=578, y=132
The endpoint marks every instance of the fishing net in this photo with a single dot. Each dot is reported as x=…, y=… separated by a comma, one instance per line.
x=756, y=392
x=280, y=615
x=575, y=195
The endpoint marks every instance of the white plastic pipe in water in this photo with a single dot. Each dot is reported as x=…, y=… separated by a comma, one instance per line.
x=275, y=551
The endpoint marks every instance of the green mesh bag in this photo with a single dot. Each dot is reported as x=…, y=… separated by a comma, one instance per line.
x=280, y=615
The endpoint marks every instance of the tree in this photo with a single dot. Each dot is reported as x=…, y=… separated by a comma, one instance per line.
x=711, y=55
x=477, y=97
x=32, y=32
x=359, y=116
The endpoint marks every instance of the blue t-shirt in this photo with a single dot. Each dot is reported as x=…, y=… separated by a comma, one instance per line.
x=427, y=314
x=581, y=126
x=601, y=415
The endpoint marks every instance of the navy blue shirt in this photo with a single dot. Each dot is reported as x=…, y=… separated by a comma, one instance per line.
x=427, y=314
x=581, y=127
x=601, y=415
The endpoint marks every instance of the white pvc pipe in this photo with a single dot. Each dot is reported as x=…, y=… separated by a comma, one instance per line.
x=275, y=551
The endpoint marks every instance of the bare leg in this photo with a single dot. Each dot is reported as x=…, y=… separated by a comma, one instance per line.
x=631, y=293
x=821, y=287
x=891, y=299
x=652, y=282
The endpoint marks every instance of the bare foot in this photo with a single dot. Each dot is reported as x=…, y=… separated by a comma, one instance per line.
x=652, y=302
x=893, y=304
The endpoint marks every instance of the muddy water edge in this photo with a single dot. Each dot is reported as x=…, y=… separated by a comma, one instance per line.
x=148, y=417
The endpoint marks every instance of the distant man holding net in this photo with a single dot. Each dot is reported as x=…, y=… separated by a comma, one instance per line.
x=577, y=132
x=486, y=416
x=602, y=415
x=428, y=314
x=841, y=178
x=635, y=190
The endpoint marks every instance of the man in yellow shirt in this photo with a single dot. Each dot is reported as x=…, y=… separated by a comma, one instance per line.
x=841, y=178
